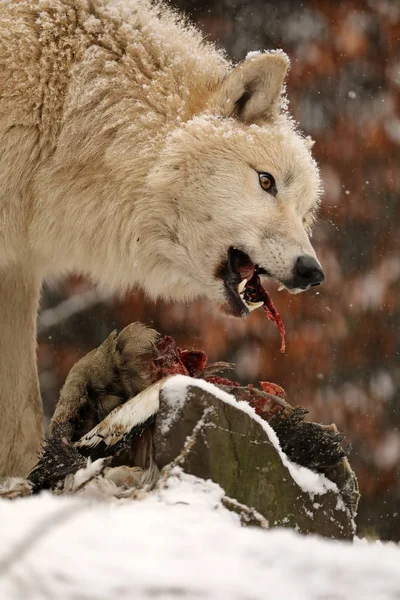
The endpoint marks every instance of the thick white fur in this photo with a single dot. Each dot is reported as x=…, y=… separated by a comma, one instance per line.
x=128, y=151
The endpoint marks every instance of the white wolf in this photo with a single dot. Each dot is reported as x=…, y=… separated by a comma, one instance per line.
x=136, y=153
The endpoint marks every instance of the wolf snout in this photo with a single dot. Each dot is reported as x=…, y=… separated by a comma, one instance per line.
x=307, y=273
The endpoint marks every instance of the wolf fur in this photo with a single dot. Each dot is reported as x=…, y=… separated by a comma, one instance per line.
x=128, y=152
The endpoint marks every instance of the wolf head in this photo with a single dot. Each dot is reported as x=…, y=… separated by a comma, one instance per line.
x=240, y=191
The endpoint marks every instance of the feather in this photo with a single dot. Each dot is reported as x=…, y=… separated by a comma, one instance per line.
x=125, y=422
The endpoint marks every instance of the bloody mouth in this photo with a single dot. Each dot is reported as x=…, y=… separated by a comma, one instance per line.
x=244, y=290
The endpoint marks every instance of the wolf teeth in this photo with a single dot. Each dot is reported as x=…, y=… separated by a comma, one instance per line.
x=253, y=305
x=281, y=287
x=250, y=305
x=242, y=285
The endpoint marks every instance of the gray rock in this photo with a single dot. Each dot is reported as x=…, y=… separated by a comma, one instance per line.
x=216, y=440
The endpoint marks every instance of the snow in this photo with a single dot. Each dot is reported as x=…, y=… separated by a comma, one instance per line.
x=179, y=542
x=175, y=398
x=175, y=393
x=253, y=54
x=256, y=53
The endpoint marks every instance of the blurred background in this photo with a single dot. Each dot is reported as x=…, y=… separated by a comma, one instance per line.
x=343, y=344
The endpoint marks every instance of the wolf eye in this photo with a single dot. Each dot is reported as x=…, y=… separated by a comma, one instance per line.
x=267, y=182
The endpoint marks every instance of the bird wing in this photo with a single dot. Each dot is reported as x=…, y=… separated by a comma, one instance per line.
x=136, y=413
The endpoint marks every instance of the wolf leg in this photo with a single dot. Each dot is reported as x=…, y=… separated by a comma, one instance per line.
x=20, y=404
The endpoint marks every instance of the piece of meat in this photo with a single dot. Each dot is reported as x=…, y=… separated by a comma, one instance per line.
x=255, y=292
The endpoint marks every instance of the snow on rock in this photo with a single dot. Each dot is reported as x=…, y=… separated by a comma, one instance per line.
x=175, y=393
x=179, y=542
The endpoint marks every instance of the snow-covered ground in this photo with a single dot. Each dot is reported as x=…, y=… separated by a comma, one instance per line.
x=178, y=542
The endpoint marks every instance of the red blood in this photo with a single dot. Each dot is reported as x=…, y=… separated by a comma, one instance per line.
x=272, y=388
x=273, y=315
x=172, y=360
x=194, y=360
x=167, y=361
x=254, y=292
x=265, y=409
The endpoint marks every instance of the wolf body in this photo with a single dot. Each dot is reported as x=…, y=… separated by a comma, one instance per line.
x=131, y=151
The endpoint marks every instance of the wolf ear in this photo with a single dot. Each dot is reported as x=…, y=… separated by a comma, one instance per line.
x=251, y=92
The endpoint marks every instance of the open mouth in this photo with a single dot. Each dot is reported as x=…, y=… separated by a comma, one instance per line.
x=244, y=290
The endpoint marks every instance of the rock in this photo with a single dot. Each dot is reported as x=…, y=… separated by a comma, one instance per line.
x=222, y=441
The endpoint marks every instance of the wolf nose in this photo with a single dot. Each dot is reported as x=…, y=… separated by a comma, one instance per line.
x=307, y=273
